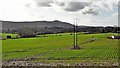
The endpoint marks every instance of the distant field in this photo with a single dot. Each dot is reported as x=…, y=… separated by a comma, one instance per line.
x=55, y=48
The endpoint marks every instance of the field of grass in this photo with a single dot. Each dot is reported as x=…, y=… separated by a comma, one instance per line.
x=55, y=48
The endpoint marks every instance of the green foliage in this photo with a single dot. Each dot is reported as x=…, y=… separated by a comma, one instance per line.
x=4, y=35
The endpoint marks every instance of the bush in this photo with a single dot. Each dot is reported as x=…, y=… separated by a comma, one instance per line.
x=9, y=36
x=27, y=36
x=26, y=33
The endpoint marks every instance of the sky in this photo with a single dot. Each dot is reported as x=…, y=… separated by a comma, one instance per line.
x=84, y=12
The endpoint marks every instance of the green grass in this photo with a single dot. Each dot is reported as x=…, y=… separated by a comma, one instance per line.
x=55, y=48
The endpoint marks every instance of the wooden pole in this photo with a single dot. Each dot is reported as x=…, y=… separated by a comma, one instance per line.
x=74, y=36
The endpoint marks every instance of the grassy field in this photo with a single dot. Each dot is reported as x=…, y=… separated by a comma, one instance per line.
x=55, y=48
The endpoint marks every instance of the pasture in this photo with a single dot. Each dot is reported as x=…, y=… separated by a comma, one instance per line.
x=55, y=48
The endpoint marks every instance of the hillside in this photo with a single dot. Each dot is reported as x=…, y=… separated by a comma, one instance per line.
x=52, y=26
x=38, y=24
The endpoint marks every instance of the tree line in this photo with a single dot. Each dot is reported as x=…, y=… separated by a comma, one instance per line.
x=33, y=31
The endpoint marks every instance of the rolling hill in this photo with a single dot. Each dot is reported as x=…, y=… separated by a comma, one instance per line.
x=39, y=24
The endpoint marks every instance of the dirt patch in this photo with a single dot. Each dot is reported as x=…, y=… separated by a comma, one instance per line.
x=26, y=63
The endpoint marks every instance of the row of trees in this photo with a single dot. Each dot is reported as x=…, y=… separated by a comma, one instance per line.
x=99, y=29
x=33, y=31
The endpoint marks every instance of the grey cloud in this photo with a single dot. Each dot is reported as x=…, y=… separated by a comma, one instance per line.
x=74, y=6
x=39, y=3
x=67, y=6
x=94, y=6
x=91, y=11
x=59, y=3
x=43, y=4
x=43, y=0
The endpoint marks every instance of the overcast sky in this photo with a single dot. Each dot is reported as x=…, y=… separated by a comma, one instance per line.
x=85, y=12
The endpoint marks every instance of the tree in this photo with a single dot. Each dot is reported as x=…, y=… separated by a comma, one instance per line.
x=26, y=32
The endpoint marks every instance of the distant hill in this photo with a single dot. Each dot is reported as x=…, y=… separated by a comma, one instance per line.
x=39, y=24
x=52, y=27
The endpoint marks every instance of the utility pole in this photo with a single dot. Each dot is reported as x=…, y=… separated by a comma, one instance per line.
x=76, y=35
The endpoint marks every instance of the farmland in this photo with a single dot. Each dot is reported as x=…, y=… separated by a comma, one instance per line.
x=57, y=48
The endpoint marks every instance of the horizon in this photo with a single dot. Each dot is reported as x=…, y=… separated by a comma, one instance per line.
x=65, y=22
